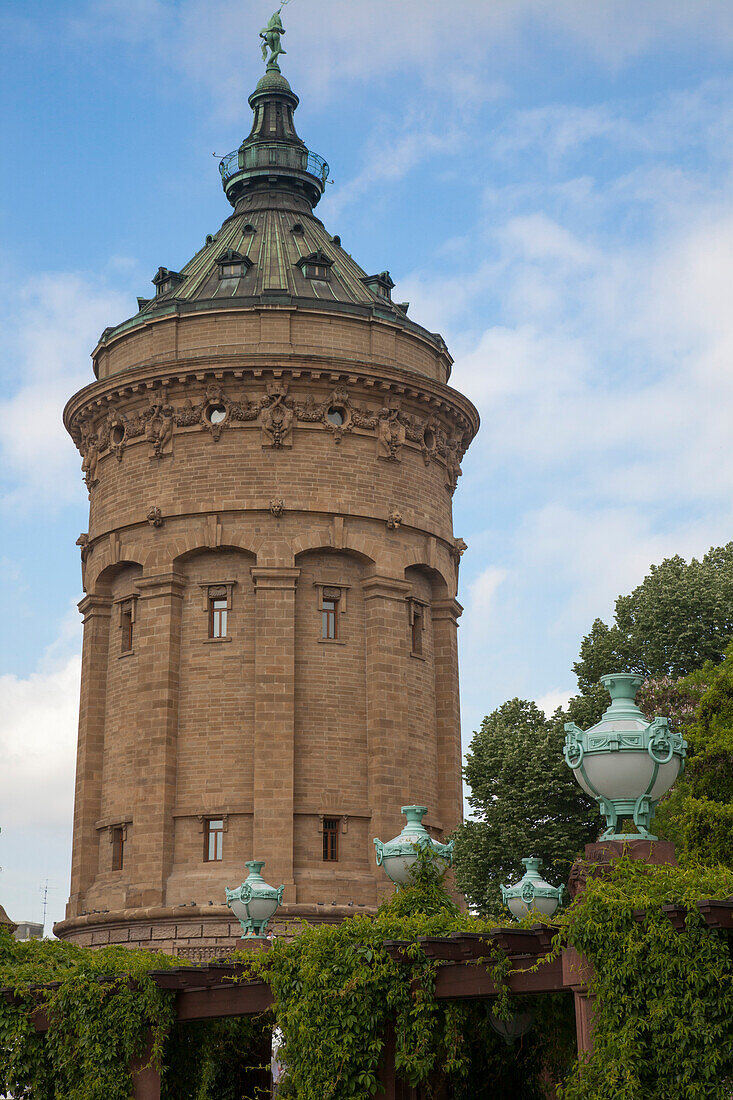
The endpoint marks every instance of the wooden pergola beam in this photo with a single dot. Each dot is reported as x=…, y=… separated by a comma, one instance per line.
x=234, y=999
x=470, y=980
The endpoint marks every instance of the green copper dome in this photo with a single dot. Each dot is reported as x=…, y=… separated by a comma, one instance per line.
x=272, y=82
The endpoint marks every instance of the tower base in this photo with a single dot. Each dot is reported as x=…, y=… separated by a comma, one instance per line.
x=197, y=933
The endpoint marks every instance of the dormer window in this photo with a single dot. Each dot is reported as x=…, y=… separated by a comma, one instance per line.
x=232, y=265
x=297, y=227
x=166, y=280
x=317, y=266
x=249, y=228
x=381, y=285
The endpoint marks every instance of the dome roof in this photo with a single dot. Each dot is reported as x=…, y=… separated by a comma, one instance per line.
x=273, y=249
x=272, y=82
x=284, y=252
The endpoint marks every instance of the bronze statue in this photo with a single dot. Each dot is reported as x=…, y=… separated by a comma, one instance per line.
x=271, y=35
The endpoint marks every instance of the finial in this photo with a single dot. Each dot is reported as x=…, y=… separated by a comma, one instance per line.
x=271, y=35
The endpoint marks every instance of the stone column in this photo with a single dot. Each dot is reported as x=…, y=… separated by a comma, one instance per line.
x=387, y=650
x=449, y=811
x=158, y=648
x=274, y=729
x=90, y=747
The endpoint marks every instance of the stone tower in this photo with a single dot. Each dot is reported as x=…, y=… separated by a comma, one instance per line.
x=269, y=662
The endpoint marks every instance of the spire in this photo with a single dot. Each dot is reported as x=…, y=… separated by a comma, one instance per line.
x=273, y=157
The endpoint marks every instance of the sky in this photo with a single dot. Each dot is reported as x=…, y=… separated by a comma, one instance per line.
x=549, y=184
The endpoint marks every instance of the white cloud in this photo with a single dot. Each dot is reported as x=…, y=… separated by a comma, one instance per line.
x=38, y=733
x=551, y=700
x=37, y=746
x=483, y=591
x=51, y=326
x=391, y=158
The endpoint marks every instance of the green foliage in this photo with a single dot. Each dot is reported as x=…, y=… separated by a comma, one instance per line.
x=663, y=999
x=337, y=992
x=226, y=1059
x=526, y=802
x=676, y=700
x=100, y=1015
x=698, y=815
x=664, y=1008
x=679, y=617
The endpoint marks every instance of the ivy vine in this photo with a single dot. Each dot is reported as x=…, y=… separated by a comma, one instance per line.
x=663, y=1030
x=663, y=998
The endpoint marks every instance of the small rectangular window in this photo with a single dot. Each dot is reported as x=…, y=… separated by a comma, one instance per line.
x=416, y=629
x=329, y=618
x=218, y=617
x=317, y=271
x=126, y=622
x=231, y=271
x=118, y=847
x=330, y=839
x=213, y=839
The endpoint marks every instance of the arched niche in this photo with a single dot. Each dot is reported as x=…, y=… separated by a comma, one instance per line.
x=105, y=579
x=185, y=550
x=117, y=579
x=362, y=546
x=427, y=580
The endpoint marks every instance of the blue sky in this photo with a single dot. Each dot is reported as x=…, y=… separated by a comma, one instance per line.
x=549, y=184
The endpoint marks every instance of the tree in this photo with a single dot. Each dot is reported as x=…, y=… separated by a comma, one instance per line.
x=679, y=617
x=525, y=800
x=698, y=815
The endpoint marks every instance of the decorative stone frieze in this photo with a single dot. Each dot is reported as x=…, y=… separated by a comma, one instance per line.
x=276, y=413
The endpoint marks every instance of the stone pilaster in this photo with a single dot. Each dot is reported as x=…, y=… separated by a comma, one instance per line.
x=445, y=614
x=90, y=747
x=157, y=645
x=387, y=705
x=274, y=736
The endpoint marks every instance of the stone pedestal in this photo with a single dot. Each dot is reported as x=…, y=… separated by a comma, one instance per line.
x=598, y=857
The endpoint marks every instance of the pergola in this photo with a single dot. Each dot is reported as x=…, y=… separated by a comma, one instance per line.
x=464, y=963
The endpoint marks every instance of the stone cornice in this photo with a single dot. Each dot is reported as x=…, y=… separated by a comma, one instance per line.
x=275, y=577
x=95, y=605
x=161, y=584
x=177, y=914
x=386, y=588
x=446, y=609
x=260, y=367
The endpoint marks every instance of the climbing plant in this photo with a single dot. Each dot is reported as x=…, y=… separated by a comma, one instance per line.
x=337, y=990
x=664, y=1008
x=663, y=998
x=101, y=1009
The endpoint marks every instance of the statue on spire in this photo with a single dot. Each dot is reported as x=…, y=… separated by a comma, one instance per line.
x=271, y=35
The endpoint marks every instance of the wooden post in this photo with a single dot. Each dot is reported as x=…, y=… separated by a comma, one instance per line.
x=577, y=972
x=583, y=1024
x=145, y=1078
x=386, y=1066
x=394, y=1089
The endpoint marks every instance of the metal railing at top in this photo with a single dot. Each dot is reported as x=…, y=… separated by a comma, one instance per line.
x=276, y=156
